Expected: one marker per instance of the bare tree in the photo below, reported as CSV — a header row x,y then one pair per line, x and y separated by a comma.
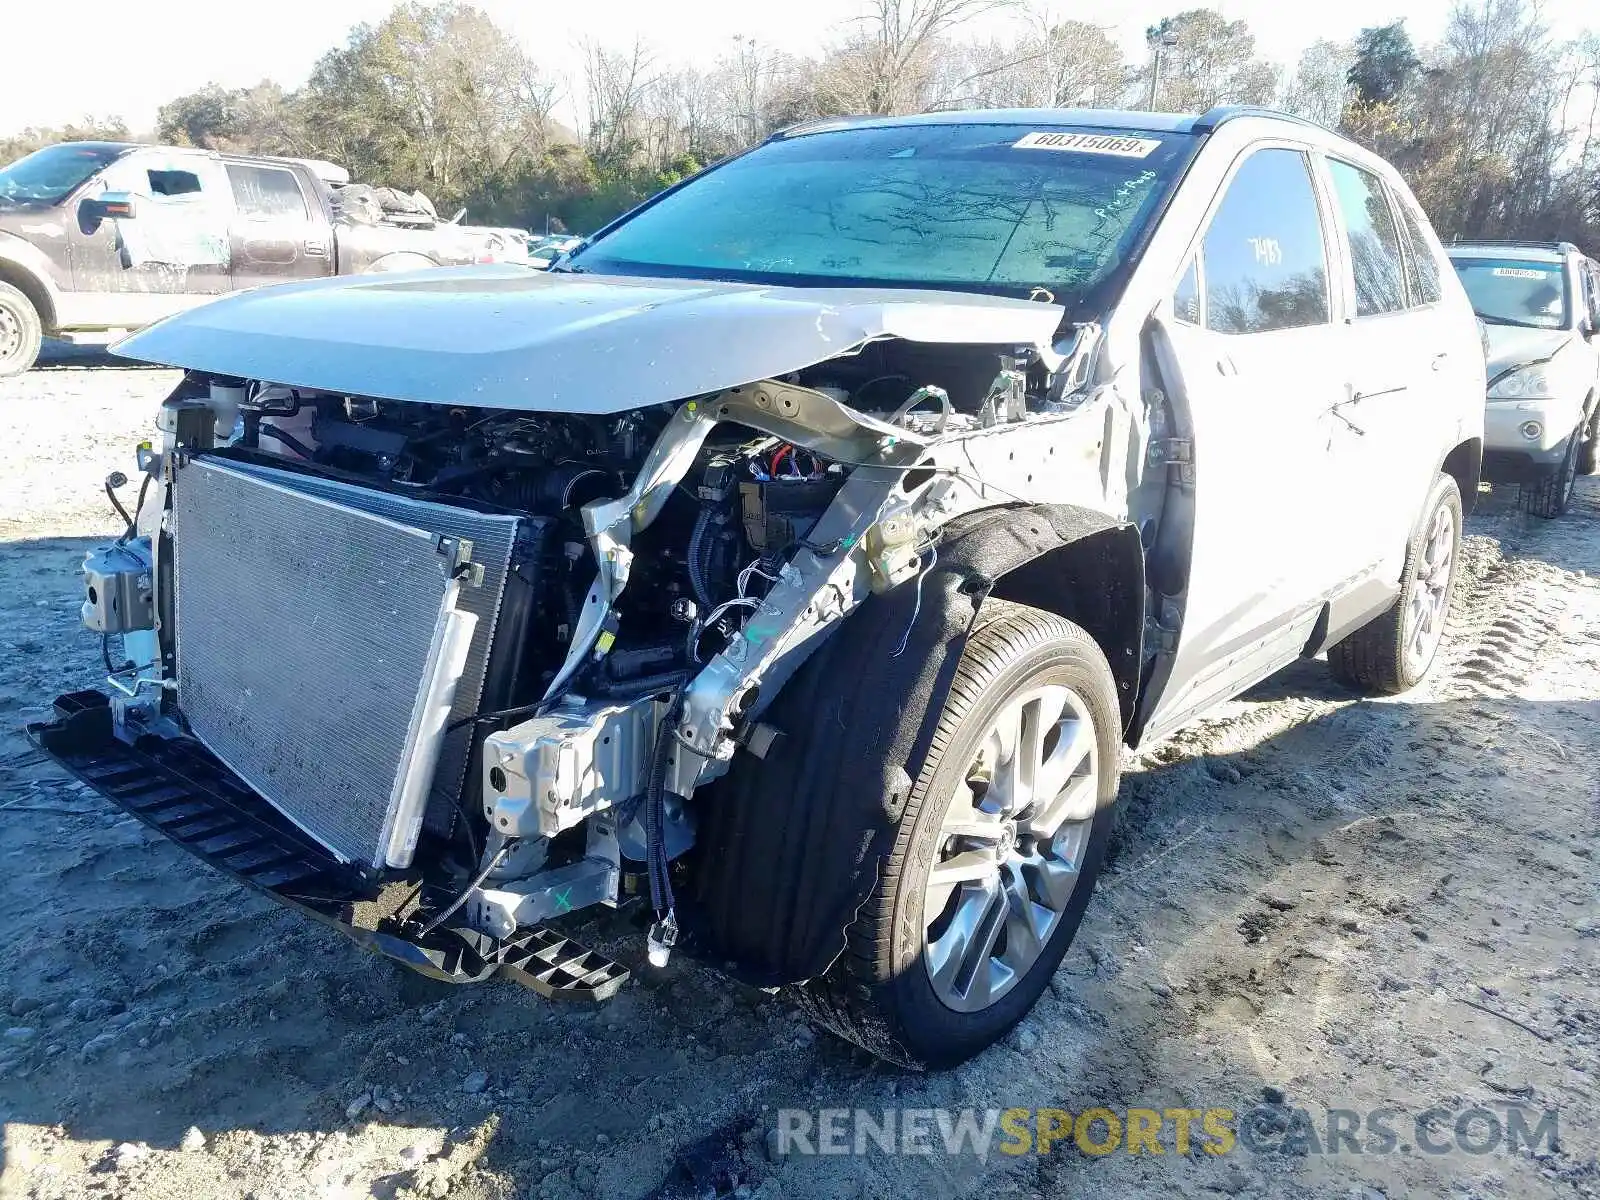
x,y
886,66
1320,88
616,85
1063,64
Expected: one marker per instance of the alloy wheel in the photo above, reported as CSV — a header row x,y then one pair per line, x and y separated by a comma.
x,y
1011,847
1430,592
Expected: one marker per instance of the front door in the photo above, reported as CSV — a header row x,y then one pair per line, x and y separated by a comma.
x,y
279,233
1249,350
174,245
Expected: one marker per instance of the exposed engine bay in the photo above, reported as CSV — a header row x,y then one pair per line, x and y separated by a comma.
x,y
534,635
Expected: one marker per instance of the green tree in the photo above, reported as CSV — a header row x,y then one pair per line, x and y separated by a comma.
x,y
1208,60
1386,63
437,98
89,129
253,120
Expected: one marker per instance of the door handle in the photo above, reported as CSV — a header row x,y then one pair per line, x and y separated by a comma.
x,y
1356,397
1439,360
1226,367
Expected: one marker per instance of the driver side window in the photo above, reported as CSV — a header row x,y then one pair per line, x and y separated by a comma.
x,y
1262,265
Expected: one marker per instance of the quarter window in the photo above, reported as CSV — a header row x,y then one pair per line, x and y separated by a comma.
x,y
1375,254
1266,266
1186,300
266,191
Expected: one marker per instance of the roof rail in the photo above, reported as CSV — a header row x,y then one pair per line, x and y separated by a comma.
x,y
1525,243
1208,121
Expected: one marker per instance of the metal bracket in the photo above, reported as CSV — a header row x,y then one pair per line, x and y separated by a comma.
x,y
501,911
1176,453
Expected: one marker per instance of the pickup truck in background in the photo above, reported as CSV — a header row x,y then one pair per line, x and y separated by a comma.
x,y
97,238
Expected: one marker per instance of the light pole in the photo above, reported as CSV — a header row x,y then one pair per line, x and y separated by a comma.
x,y
1159,41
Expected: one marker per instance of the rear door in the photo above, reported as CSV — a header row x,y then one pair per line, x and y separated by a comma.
x,y
1249,344
1406,363
279,232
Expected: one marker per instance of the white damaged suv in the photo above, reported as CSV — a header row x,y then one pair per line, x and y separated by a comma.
x,y
794,560
1540,305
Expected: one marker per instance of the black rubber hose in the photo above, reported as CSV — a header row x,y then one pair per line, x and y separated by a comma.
x,y
699,560
655,810
138,506
287,439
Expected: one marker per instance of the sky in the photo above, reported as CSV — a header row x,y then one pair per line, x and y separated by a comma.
x,y
125,59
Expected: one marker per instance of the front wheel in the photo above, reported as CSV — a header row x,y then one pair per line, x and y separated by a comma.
x,y
1550,497
1589,456
21,332
996,854
1393,651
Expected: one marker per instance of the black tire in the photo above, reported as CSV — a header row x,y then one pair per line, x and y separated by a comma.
x,y
1550,497
878,994
1589,455
21,332
1372,660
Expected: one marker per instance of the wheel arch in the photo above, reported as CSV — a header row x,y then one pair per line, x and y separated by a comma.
x,y
34,288
1094,579
399,260
1464,464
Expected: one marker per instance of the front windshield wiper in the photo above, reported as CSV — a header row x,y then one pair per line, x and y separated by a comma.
x,y
1514,323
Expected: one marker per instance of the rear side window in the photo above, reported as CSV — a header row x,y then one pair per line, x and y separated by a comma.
x,y
266,191
1265,264
1422,272
1375,251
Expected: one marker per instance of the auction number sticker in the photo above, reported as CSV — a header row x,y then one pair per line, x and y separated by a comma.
x,y
1088,143
1519,273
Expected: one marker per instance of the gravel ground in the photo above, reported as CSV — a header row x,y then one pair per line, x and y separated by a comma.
x,y
1314,904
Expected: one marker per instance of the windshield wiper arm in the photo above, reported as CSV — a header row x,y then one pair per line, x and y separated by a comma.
x,y
1511,321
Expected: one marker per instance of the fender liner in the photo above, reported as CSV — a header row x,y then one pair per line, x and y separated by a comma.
x,y
790,846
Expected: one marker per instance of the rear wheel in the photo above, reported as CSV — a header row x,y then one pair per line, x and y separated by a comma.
x,y
1550,496
995,855
1393,652
21,332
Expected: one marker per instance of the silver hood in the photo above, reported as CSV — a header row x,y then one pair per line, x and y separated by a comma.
x,y
1511,346
510,337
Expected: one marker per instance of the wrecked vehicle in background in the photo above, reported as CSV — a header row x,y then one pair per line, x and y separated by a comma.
x,y
107,236
795,560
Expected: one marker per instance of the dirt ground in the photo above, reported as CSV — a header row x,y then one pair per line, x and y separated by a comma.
x,y
1315,903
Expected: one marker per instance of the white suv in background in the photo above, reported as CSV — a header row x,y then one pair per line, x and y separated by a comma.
x,y
1540,303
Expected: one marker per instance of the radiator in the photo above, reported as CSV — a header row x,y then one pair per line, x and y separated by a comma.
x,y
324,644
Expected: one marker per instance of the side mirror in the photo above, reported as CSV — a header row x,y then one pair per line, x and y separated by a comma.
x,y
118,206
